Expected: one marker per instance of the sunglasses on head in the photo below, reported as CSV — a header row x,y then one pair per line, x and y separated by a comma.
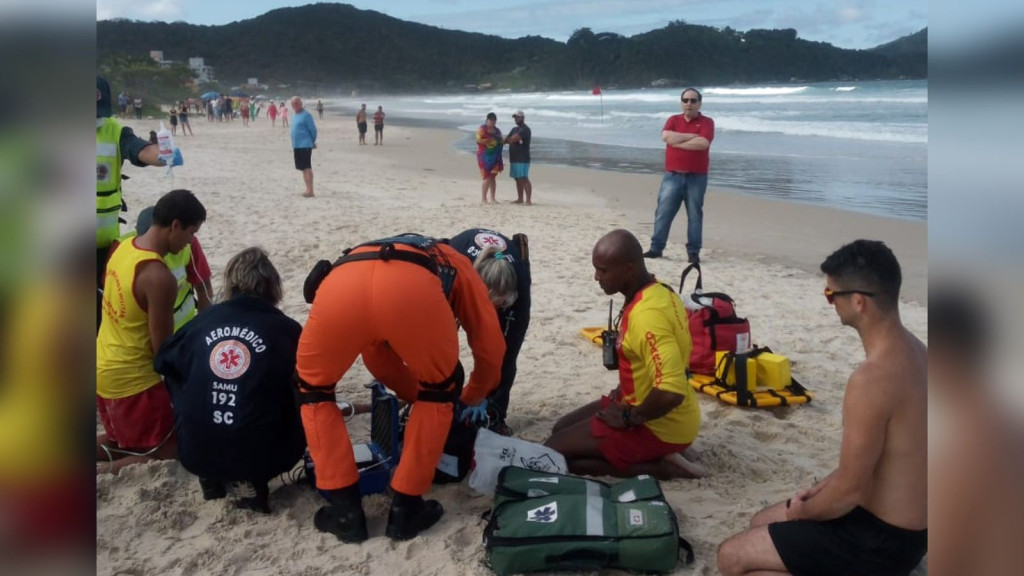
x,y
690,100
831,294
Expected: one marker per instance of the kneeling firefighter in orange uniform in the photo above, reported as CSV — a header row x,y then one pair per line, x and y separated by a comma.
x,y
398,302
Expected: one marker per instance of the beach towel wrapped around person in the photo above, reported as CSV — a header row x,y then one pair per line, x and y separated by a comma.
x,y
488,154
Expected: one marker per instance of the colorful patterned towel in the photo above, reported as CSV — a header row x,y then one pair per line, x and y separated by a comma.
x,y
488,154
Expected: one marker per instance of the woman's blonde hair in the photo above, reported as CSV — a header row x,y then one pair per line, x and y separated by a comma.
x,y
499,275
251,273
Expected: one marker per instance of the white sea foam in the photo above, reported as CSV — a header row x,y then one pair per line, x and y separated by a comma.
x,y
845,88
757,91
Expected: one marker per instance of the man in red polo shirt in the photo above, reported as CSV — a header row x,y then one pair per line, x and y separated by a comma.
x,y
687,139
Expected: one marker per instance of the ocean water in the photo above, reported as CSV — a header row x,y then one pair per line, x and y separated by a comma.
x,y
858,146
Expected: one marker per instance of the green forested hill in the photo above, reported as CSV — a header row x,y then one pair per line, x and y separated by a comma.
x,y
337,46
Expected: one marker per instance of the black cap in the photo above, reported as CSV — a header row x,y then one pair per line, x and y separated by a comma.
x,y
103,106
492,116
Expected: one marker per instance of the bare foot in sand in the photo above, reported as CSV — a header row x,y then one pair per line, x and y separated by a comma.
x,y
677,466
307,195
516,202
528,203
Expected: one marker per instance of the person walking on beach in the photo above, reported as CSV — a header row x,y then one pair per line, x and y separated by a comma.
x,y
138,301
687,138
244,108
488,155
283,111
303,142
320,108
519,157
361,124
138,108
183,119
272,113
122,104
869,516
378,126
646,422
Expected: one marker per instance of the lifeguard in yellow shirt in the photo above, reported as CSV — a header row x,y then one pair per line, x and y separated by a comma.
x,y
138,315
645,424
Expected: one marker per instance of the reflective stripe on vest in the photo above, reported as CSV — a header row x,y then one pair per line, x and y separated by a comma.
x,y
184,300
108,181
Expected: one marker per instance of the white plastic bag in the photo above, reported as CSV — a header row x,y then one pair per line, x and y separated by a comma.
x,y
492,452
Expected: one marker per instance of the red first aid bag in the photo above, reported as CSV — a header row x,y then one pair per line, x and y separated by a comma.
x,y
713,325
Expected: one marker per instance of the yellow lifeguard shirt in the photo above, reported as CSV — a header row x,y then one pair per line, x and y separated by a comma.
x,y
124,356
654,351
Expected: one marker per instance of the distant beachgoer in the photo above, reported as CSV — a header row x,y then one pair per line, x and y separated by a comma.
x,y
272,113
252,108
174,120
320,108
870,516
519,157
378,126
303,142
229,112
122,104
209,111
138,108
249,430
687,139
183,119
647,422
488,155
361,124
243,106
282,110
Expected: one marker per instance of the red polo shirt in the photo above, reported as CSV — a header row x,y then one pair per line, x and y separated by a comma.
x,y
678,160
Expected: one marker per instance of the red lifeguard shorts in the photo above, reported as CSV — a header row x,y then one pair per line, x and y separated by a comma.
x,y
141,421
628,446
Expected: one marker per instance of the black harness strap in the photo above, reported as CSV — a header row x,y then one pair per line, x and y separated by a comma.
x,y
389,252
446,391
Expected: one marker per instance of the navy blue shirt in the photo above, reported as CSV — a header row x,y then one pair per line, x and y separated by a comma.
x,y
230,373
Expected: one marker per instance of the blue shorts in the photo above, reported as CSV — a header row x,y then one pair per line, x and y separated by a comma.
x,y
520,170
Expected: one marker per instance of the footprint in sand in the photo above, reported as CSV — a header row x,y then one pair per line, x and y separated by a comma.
x,y
414,549
465,537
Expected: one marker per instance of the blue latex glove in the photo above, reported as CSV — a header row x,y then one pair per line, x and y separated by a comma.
x,y
177,160
475,414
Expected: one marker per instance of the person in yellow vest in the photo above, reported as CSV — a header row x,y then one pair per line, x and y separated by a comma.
x,y
138,303
191,271
114,144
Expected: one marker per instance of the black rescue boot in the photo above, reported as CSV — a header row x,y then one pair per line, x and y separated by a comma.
x,y
411,515
212,489
253,495
344,516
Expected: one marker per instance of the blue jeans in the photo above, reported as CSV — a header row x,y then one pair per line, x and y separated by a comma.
x,y
675,189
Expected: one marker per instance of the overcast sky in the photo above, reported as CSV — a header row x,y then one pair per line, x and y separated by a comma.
x,y
844,23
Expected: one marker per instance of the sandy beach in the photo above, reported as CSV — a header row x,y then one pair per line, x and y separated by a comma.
x,y
152,520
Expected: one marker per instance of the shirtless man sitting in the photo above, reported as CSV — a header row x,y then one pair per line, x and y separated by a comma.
x,y
870,515
645,424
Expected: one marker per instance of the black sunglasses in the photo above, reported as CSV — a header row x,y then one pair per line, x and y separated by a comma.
x,y
690,100
831,294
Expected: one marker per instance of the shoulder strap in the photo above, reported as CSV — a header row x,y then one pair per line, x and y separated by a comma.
x,y
684,546
686,271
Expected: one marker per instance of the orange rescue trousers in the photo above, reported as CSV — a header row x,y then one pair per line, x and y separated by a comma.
x,y
396,315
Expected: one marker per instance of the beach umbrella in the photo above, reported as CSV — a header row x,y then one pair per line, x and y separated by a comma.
x,y
210,96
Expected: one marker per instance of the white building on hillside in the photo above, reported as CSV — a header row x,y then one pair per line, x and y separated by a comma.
x,y
203,72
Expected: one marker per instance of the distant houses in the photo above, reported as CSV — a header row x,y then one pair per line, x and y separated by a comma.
x,y
202,72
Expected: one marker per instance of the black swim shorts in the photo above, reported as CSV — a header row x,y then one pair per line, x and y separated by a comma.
x,y
857,544
362,127
378,127
303,158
